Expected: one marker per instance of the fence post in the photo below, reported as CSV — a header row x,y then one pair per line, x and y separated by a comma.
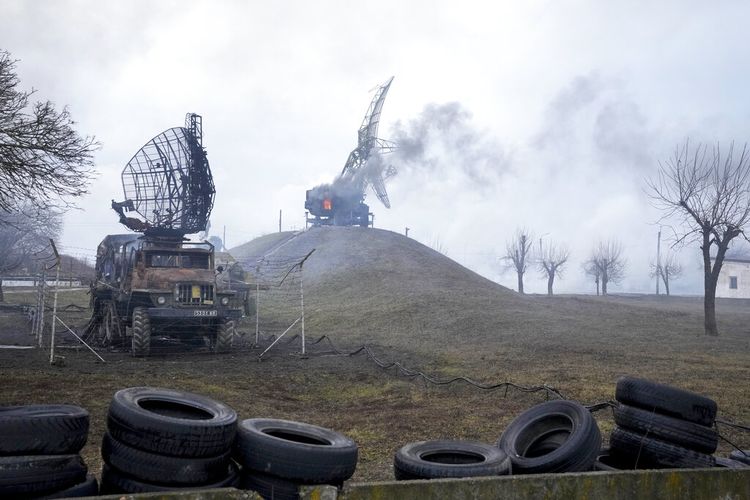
x,y
257,311
54,303
302,305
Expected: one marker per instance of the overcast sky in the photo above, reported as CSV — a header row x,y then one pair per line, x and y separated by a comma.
x,y
547,115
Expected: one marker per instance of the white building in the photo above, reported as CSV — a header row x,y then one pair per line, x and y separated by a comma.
x,y
734,279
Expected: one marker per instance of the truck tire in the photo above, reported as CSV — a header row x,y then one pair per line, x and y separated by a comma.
x,y
556,436
114,481
296,451
653,452
88,488
681,432
666,399
141,332
741,455
169,422
34,475
270,486
441,459
154,467
43,429
224,336
728,463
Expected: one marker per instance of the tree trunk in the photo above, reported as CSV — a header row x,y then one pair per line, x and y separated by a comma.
x,y
710,279
604,283
597,286
2,297
666,281
520,283
550,282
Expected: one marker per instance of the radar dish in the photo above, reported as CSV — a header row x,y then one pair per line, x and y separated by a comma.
x,y
168,183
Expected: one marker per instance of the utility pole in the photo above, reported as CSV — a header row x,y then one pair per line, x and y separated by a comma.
x,y
279,220
406,232
54,303
658,260
224,240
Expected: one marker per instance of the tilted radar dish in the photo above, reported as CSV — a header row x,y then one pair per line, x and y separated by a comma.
x,y
168,183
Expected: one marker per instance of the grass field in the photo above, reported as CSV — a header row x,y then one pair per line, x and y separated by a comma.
x,y
415,306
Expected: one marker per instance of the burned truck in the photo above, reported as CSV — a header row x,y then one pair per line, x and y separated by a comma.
x,y
158,283
162,286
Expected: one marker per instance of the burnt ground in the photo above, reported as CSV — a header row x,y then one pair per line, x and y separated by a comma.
x,y
415,306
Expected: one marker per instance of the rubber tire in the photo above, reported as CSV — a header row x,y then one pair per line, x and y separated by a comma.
x,y
666,399
270,487
114,481
741,456
609,461
152,467
224,336
410,461
141,326
728,463
180,435
39,474
332,460
562,434
88,488
674,430
43,429
649,452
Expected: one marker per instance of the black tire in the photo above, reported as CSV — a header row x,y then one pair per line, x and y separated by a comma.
x,y
680,432
609,461
39,474
225,336
114,481
666,399
170,422
556,436
270,487
141,326
152,467
43,429
649,452
741,456
294,450
728,463
88,488
440,459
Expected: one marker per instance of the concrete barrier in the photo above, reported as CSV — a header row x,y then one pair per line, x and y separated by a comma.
x,y
673,484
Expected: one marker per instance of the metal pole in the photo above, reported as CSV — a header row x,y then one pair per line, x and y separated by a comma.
x,y
279,220
54,304
81,340
41,305
257,312
302,304
658,260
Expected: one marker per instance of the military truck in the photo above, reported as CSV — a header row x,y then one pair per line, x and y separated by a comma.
x,y
147,286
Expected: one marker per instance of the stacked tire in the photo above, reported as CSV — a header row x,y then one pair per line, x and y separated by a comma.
x,y
443,459
279,456
660,426
39,446
166,440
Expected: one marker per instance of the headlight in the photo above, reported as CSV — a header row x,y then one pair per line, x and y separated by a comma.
x,y
161,300
224,301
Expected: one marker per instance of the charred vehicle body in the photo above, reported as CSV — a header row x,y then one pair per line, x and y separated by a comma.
x,y
158,283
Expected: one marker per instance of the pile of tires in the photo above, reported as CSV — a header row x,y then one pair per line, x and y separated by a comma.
x,y
279,456
444,458
166,440
39,446
556,436
660,426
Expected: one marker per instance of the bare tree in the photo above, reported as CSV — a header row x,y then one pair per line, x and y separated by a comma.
x,y
518,254
551,263
43,160
607,260
667,271
23,234
590,268
709,192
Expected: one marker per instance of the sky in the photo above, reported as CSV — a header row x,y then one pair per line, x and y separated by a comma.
x,y
545,115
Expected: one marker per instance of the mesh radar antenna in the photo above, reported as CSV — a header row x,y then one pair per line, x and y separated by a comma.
x,y
168,183
367,144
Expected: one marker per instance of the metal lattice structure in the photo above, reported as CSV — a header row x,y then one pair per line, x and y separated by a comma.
x,y
367,144
168,183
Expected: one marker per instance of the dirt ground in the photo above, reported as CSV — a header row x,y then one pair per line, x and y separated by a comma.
x,y
382,410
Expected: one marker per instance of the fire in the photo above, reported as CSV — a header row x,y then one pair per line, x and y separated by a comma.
x,y
327,205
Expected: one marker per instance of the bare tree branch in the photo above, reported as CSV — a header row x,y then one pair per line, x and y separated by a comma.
x,y
518,254
606,264
552,262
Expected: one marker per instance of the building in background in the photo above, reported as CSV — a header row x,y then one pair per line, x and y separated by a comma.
x,y
734,278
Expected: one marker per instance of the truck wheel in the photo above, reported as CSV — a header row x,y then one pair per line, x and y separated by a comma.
x,y
224,336
141,332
